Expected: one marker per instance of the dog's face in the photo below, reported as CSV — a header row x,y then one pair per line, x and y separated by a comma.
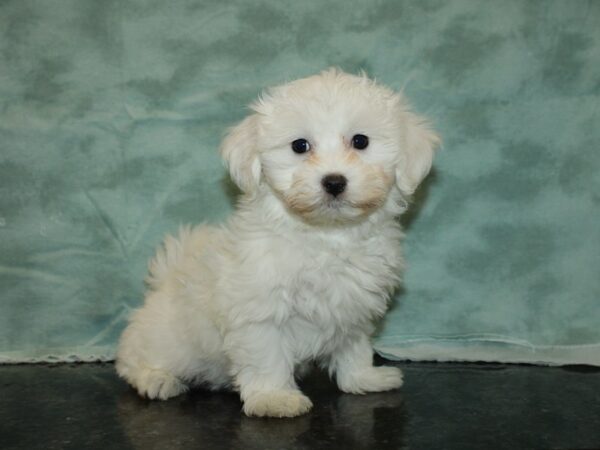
x,y
332,147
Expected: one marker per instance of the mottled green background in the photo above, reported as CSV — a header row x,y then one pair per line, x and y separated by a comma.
x,y
111,113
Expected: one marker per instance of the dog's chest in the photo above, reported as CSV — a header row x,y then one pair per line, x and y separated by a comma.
x,y
342,285
334,291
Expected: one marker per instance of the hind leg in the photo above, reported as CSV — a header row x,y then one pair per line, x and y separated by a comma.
x,y
172,341
152,356
159,384
140,363
166,349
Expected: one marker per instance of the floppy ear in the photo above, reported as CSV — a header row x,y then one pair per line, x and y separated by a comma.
x,y
239,150
420,142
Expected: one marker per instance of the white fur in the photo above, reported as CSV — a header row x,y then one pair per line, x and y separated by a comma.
x,y
294,276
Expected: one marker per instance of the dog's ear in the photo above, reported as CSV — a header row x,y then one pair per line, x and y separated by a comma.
x,y
419,144
239,150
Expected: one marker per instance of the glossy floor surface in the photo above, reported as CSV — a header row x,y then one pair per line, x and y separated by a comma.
x,y
441,406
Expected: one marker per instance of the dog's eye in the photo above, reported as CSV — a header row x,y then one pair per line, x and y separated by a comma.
x,y
360,141
300,146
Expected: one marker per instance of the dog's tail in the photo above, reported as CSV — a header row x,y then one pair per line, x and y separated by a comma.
x,y
171,255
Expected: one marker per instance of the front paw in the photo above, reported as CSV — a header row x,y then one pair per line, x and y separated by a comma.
x,y
371,379
277,403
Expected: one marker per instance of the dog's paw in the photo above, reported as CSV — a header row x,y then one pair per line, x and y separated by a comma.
x,y
372,379
277,403
159,384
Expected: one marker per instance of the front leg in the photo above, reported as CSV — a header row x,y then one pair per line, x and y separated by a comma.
x,y
263,372
354,370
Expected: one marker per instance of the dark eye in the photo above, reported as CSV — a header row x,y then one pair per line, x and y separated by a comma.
x,y
300,146
360,141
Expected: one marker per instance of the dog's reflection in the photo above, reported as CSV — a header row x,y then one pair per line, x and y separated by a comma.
x,y
207,420
371,421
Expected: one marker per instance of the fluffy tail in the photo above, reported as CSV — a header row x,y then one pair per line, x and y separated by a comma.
x,y
170,255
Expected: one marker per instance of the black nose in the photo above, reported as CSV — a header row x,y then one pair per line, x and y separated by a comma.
x,y
334,184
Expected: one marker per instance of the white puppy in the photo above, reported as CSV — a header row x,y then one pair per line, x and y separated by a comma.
x,y
304,266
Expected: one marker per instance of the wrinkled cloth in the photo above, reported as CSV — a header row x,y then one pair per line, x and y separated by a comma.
x,y
111,113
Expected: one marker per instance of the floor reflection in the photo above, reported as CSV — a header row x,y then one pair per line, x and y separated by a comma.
x,y
214,420
450,406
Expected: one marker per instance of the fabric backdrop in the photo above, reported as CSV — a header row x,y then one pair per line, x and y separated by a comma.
x,y
111,113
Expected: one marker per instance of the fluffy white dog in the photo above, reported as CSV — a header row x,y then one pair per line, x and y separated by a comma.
x,y
304,266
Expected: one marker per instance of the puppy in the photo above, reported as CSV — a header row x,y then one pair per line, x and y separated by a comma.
x,y
305,265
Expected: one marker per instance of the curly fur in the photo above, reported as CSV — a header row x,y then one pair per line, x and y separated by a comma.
x,y
295,275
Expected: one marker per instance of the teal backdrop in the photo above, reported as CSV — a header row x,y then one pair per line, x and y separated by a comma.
x,y
111,113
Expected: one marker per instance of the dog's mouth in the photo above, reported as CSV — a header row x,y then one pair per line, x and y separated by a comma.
x,y
366,205
329,210
335,203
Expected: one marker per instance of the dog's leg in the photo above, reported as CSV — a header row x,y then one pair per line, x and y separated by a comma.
x,y
150,380
263,370
159,384
354,370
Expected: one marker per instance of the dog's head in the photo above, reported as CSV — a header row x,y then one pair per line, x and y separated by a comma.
x,y
332,147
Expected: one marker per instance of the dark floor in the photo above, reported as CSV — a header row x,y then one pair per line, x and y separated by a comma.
x,y
441,406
